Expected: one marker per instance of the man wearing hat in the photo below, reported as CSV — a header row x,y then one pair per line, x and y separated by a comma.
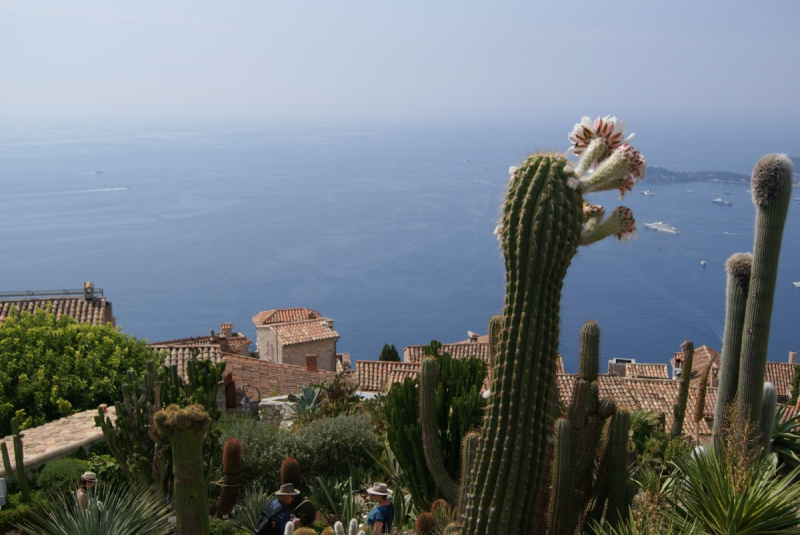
x,y
381,517
275,516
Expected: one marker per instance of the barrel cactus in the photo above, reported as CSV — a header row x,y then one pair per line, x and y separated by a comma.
x,y
544,220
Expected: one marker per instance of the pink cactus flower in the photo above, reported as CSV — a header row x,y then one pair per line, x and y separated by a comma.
x,y
609,128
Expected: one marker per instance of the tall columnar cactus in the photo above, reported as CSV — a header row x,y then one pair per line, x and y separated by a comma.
x,y
739,267
769,406
20,475
544,220
589,360
562,477
495,325
700,406
772,190
232,468
679,409
186,429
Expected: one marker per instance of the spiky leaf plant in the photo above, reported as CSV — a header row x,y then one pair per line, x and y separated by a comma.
x,y
786,441
122,510
249,507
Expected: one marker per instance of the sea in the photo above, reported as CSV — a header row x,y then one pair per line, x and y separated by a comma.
x,y
385,227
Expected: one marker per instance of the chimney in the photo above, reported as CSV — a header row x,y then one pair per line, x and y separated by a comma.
x,y
473,337
311,363
792,357
226,328
329,323
88,291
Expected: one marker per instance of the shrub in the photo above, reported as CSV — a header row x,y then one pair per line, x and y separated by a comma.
x,y
107,469
50,368
16,511
61,475
217,526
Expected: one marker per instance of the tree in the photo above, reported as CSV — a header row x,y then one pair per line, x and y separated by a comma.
x,y
795,386
53,367
389,354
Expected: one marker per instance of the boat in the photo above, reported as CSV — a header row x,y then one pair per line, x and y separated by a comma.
x,y
796,284
647,192
663,227
720,200
703,263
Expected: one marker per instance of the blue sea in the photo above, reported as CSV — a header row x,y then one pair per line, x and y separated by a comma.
x,y
386,228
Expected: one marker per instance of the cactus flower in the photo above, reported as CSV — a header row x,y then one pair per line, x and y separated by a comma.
x,y
621,170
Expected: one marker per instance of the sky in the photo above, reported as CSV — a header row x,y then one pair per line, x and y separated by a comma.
x,y
443,60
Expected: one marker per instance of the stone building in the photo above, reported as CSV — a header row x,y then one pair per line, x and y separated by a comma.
x,y
289,335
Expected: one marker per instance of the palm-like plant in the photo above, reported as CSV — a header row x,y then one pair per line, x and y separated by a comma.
x,y
117,510
723,498
786,440
249,507
306,403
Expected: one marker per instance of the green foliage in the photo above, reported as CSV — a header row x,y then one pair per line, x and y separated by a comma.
x,y
795,386
389,354
107,469
55,367
306,404
61,475
125,511
217,526
725,497
786,441
323,447
458,410
338,397
17,510
249,507
653,448
338,498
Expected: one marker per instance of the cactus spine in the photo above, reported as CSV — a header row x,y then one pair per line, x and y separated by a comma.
x,y
543,222
232,468
186,429
738,267
768,408
495,325
679,409
426,524
772,189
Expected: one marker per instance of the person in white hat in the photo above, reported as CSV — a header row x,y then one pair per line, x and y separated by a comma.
x,y
381,517
85,491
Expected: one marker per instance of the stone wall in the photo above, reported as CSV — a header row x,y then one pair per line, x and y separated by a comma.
x,y
325,350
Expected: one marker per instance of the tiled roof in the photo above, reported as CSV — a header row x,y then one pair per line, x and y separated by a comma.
x,y
96,311
374,375
284,315
415,354
399,375
700,359
780,374
652,371
304,331
610,386
271,378
236,343
180,355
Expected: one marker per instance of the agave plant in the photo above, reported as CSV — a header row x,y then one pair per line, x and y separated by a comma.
x,y
723,498
249,507
306,403
116,510
786,441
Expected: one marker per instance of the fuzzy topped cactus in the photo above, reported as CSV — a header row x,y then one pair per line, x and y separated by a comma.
x,y
544,220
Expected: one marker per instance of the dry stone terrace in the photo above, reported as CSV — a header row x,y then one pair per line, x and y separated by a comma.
x,y
57,439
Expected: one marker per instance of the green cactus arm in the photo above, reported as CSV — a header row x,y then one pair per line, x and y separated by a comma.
x,y
562,480
679,409
772,190
769,406
495,326
429,380
589,360
738,268
469,453
617,450
7,463
22,476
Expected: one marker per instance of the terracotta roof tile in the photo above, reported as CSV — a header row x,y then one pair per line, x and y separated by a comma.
x,y
304,331
96,312
780,374
700,359
180,355
652,371
284,315
374,375
271,378
415,354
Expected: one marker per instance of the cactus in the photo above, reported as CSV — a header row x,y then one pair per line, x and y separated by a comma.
x,y
700,406
290,472
679,409
589,361
186,429
544,221
338,528
495,325
767,422
772,190
328,531
562,478
304,531
232,468
426,524
19,476
738,267
288,529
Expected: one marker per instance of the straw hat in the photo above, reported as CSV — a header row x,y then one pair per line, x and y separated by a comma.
x,y
89,476
379,489
287,490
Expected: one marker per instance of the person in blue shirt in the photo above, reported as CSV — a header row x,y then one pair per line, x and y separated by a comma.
x,y
275,516
381,517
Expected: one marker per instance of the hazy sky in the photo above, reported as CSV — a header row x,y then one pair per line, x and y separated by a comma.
x,y
409,59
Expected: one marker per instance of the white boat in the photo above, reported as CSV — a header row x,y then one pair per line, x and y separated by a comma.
x,y
720,200
703,263
796,284
663,227
647,192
